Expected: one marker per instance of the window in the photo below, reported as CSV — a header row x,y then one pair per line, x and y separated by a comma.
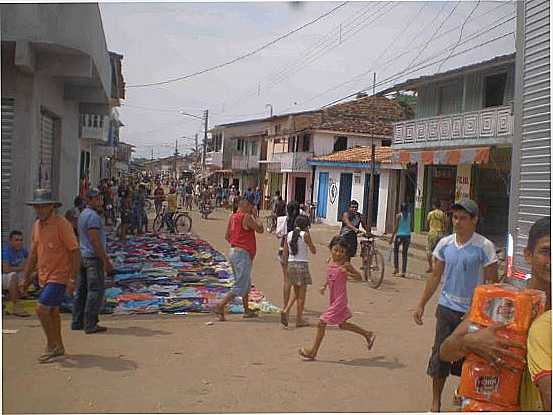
x,y
341,143
306,142
292,143
450,98
254,149
239,145
95,122
494,90
277,129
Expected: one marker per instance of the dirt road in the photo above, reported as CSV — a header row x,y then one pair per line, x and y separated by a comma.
x,y
181,364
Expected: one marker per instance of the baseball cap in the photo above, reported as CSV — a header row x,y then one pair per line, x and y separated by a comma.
x,y
94,192
467,205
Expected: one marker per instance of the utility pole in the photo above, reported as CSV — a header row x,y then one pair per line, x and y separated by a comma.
x,y
206,115
371,181
196,148
175,157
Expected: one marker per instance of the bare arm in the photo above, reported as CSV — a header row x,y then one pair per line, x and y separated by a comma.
x,y
309,242
249,223
352,272
30,266
430,288
6,267
285,253
544,386
345,219
396,226
227,233
75,263
94,236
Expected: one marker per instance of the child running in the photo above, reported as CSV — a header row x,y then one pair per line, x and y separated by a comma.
x,y
296,260
338,312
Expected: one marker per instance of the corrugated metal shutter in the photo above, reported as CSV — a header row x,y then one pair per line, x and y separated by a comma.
x,y
8,114
534,182
46,159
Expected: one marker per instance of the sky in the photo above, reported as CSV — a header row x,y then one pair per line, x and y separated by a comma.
x,y
330,59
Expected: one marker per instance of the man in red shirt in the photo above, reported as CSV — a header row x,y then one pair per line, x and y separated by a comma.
x,y
240,235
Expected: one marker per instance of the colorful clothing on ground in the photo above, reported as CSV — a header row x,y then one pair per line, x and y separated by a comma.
x,y
338,311
54,240
539,362
463,269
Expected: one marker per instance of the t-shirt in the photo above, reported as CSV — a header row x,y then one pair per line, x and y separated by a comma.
x,y
172,202
14,258
463,269
89,219
436,221
539,362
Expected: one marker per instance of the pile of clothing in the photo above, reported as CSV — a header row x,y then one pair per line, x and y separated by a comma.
x,y
171,274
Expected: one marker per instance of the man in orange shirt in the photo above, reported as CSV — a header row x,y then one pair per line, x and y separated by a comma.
x,y
55,252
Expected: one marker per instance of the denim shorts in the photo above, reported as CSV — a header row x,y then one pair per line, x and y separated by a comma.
x,y
52,294
447,321
241,264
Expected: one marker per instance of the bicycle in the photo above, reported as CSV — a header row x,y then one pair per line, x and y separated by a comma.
x,y
373,261
271,223
179,222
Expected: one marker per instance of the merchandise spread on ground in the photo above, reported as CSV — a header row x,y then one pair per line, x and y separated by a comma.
x,y
171,274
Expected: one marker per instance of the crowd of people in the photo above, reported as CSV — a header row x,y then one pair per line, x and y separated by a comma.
x,y
69,256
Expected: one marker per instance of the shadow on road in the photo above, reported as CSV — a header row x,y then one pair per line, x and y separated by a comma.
x,y
137,331
378,361
87,361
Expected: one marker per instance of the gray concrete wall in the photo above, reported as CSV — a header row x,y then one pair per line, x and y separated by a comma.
x,y
77,26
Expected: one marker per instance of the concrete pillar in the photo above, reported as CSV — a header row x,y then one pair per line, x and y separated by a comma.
x,y
70,155
383,192
419,220
393,196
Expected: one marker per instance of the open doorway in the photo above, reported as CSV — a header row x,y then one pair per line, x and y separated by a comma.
x,y
299,189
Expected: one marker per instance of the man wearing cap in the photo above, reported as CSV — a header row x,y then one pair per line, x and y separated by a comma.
x,y
94,264
461,259
55,251
240,234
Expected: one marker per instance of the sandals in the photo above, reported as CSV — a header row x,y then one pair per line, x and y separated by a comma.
x,y
219,313
302,323
306,356
284,319
250,314
370,341
50,357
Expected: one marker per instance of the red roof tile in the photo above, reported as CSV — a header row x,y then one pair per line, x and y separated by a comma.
x,y
359,155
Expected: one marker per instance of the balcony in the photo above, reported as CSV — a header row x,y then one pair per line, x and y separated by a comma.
x,y
241,162
95,127
292,162
487,126
215,159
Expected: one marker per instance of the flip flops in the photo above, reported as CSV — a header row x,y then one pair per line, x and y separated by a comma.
x,y
219,313
305,356
370,341
302,323
250,314
50,357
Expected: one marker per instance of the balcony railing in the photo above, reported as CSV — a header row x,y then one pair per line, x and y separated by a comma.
x,y
481,125
293,161
95,127
241,162
215,159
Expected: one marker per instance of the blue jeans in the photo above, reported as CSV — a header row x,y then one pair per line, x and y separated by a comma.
x,y
89,295
241,264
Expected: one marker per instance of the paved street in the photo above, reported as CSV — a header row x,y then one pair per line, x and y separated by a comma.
x,y
181,364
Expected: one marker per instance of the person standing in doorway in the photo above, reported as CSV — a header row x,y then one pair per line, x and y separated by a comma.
x,y
55,252
437,222
89,295
240,234
460,260
401,237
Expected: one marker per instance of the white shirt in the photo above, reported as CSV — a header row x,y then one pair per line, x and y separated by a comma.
x,y
303,249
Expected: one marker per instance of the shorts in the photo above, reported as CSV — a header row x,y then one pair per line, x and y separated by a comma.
x,y
298,273
432,241
241,264
7,277
52,294
351,239
447,321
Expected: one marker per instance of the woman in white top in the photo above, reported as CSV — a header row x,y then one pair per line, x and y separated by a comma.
x,y
296,260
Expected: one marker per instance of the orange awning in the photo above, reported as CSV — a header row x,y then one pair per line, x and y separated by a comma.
x,y
478,155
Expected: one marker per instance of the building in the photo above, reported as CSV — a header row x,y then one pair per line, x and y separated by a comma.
x,y
51,74
530,197
120,162
460,142
168,167
345,175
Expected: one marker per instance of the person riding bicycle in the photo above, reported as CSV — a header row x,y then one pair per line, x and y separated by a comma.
x,y
172,205
159,196
351,220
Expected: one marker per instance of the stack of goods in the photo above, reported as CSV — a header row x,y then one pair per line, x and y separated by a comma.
x,y
484,387
171,274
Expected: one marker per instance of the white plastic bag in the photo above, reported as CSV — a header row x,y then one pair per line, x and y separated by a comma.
x,y
281,227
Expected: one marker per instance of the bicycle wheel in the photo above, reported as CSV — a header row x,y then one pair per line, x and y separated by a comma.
x,y
183,223
158,224
374,269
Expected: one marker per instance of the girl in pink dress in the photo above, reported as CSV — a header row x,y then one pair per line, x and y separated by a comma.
x,y
338,312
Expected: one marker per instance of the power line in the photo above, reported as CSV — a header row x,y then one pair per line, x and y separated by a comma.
x,y
471,37
400,74
460,35
239,58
